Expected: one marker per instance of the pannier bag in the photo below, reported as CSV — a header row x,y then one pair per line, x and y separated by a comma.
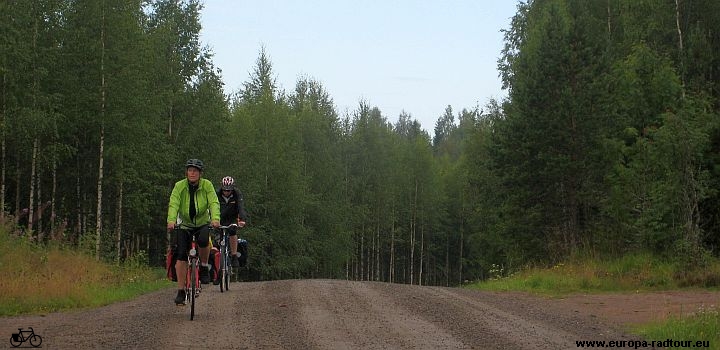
x,y
215,262
170,260
243,250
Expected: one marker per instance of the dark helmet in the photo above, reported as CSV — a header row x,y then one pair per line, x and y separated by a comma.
x,y
195,163
228,183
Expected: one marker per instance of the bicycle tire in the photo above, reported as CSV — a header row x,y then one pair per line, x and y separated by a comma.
x,y
14,343
35,338
223,270
227,273
193,286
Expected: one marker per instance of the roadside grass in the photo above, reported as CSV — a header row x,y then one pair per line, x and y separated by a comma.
x,y
631,273
636,272
703,326
41,279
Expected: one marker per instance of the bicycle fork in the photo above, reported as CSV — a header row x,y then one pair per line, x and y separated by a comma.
x,y
193,269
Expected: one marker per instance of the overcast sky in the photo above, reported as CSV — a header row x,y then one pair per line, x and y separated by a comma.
x,y
413,55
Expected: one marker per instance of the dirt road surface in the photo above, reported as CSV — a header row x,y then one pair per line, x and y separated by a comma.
x,y
337,314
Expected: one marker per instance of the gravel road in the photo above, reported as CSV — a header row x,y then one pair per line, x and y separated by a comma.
x,y
325,314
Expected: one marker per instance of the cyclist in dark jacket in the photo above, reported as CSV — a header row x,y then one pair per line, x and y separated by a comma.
x,y
232,210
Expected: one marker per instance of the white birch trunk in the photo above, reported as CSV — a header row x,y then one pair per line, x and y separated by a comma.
x,y
391,277
680,45
53,194
31,205
118,222
3,165
413,225
17,191
422,254
78,206
98,214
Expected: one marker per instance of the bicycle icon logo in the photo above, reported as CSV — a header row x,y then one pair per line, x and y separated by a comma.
x,y
23,336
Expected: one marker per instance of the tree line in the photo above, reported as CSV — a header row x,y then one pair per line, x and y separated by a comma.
x,y
607,144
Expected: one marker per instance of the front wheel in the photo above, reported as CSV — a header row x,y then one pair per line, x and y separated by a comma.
x,y
35,340
226,276
223,270
193,287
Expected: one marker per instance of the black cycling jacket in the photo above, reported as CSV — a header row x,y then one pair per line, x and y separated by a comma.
x,y
232,207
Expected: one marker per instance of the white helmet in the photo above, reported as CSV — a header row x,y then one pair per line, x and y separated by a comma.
x,y
227,183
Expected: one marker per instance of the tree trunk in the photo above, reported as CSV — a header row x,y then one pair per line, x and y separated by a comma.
x,y
680,46
422,253
677,25
118,222
37,218
362,253
3,165
413,224
98,217
462,238
78,206
17,191
33,160
391,277
447,260
53,194
377,252
98,213
33,164
609,13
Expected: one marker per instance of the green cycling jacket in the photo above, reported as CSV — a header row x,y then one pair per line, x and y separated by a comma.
x,y
207,206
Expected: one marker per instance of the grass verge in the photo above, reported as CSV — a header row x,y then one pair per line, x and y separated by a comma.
x,y
41,279
636,273
702,327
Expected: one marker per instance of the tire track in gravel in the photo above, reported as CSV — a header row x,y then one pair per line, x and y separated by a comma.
x,y
350,315
488,320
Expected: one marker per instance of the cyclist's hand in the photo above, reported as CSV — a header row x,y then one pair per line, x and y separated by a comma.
x,y
215,223
170,226
241,223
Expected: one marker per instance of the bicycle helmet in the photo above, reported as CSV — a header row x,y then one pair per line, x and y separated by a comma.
x,y
227,183
195,163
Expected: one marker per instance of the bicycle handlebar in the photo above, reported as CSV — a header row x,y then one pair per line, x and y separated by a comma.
x,y
228,226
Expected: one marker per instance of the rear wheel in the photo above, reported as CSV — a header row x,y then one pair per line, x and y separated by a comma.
x,y
15,343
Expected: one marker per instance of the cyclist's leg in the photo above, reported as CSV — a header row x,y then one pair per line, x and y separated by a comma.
x,y
232,232
203,242
234,261
181,265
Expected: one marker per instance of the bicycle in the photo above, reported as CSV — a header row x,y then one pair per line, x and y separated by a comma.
x,y
19,338
192,276
225,265
192,282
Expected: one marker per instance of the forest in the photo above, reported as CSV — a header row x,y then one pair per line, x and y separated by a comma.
x,y
607,144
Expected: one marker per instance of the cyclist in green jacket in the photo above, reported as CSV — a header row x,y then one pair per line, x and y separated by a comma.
x,y
193,207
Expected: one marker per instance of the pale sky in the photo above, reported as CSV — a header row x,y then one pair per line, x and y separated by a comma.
x,y
414,55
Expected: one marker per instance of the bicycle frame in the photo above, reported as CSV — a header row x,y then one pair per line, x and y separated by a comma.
x,y
192,280
21,334
226,267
